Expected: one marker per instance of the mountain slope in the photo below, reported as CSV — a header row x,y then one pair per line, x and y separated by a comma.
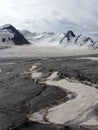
x,y
9,34
45,38
71,40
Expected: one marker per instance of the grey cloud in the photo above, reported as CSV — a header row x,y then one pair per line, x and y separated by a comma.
x,y
50,15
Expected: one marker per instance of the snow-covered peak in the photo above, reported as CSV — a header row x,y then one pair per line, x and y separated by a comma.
x,y
60,39
83,40
7,27
9,34
71,40
70,35
68,39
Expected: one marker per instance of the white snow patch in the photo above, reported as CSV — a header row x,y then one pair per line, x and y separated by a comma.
x,y
39,117
33,68
76,110
34,73
53,76
80,110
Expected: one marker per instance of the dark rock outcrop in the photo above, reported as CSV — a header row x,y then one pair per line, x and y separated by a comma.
x,y
69,35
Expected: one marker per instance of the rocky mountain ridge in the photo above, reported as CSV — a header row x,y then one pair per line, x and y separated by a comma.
x,y
9,35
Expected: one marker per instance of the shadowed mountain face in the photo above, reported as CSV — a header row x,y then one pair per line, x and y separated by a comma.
x,y
9,34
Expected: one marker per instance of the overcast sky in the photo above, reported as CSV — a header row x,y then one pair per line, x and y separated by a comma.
x,y
50,15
